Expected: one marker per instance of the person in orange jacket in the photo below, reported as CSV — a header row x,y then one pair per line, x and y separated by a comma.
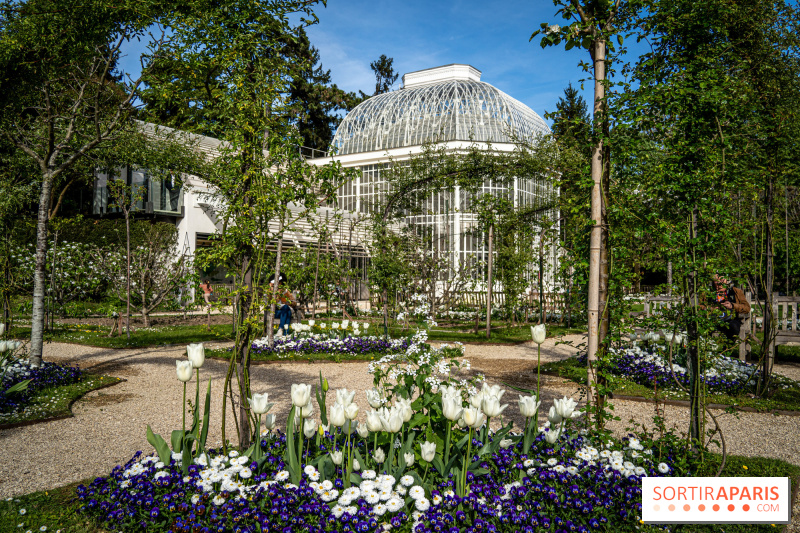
x,y
732,303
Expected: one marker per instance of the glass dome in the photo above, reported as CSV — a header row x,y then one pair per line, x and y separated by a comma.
x,y
447,103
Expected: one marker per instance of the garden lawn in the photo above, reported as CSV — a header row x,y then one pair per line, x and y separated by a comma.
x,y
55,402
783,399
91,335
465,334
58,508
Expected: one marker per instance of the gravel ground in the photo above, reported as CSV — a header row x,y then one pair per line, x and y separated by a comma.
x,y
109,425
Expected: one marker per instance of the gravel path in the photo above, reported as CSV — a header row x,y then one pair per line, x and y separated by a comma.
x,y
109,425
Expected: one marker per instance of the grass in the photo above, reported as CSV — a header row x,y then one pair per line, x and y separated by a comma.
x,y
784,399
91,335
58,508
500,335
56,401
55,509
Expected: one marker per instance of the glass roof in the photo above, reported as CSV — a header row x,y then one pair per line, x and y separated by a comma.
x,y
455,109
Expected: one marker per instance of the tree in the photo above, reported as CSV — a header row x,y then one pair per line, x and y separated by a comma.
x,y
592,28
60,100
147,275
238,52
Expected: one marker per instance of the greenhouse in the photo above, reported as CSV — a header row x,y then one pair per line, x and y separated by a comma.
x,y
451,105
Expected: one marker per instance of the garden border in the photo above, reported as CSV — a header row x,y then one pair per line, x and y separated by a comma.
x,y
685,403
64,417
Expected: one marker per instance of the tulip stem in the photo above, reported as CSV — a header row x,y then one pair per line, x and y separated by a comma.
x,y
374,444
184,408
426,472
538,369
467,460
447,445
300,436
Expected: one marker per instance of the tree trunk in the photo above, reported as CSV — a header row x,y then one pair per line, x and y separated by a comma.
x,y
669,278
128,274
596,239
489,283
693,357
316,279
770,324
37,313
53,281
243,366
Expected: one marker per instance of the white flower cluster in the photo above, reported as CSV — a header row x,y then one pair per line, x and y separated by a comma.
x,y
630,461
384,493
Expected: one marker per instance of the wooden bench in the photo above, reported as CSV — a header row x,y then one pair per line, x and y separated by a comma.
x,y
784,309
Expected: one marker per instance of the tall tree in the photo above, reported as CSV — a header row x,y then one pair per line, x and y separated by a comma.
x,y
59,100
592,27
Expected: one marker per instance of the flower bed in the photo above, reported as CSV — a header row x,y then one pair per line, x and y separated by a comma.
x,y
569,486
423,460
48,375
650,366
315,344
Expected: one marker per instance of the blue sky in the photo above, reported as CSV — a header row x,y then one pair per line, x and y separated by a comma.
x,y
492,36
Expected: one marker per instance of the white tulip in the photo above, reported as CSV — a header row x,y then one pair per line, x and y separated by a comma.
x,y
337,416
473,417
345,397
379,456
197,354
528,406
392,422
356,465
476,400
184,369
365,325
2,328
336,457
539,333
309,427
335,325
374,421
312,322
363,431
492,390
428,451
552,436
269,422
374,398
409,458
4,346
565,407
259,403
506,443
491,406
351,411
345,323
301,394
404,407
307,411
553,416
451,408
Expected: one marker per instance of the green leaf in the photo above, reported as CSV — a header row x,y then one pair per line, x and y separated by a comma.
x,y
619,39
160,445
201,444
177,440
18,387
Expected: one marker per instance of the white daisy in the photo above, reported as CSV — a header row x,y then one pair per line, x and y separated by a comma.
x,y
422,504
407,481
394,505
379,509
416,492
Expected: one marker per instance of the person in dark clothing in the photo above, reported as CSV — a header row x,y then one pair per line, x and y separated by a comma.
x,y
285,300
733,305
